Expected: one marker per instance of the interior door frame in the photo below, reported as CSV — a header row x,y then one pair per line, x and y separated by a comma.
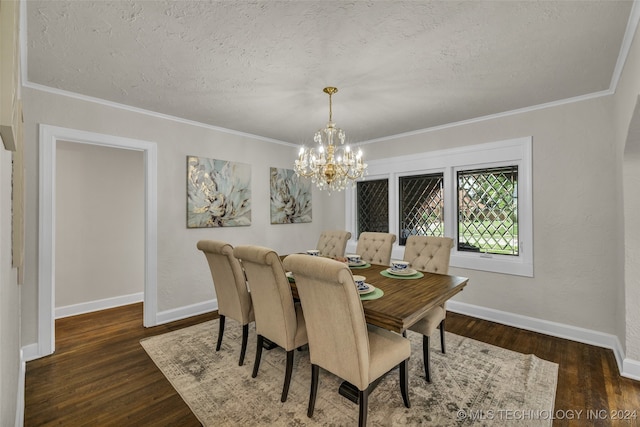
x,y
49,136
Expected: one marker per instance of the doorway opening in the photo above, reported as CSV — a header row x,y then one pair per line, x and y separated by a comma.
x,y
49,137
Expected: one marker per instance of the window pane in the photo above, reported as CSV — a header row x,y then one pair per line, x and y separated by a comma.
x,y
421,206
488,210
373,206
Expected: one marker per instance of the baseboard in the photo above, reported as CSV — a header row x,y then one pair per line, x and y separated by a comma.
x,y
631,369
186,311
627,367
30,352
103,304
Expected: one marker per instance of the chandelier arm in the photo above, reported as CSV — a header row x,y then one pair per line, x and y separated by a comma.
x,y
305,174
345,172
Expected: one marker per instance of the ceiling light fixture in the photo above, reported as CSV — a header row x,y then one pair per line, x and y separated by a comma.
x,y
330,166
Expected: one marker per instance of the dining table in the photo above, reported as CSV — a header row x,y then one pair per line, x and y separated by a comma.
x,y
405,299
400,300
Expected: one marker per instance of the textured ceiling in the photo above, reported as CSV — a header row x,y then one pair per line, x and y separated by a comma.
x,y
259,66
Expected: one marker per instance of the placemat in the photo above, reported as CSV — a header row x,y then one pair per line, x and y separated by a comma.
x,y
366,265
372,295
418,275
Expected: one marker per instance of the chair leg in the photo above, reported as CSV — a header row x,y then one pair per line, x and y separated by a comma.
x,y
287,376
363,400
256,363
404,382
220,332
315,369
243,349
425,355
442,336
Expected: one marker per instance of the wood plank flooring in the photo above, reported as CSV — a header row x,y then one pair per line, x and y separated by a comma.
x,y
101,376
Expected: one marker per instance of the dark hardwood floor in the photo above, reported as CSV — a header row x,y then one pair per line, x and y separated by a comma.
x,y
101,376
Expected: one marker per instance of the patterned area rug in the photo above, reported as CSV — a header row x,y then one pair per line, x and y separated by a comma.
x,y
473,384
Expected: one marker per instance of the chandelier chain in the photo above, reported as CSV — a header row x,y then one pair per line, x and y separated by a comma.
x,y
330,90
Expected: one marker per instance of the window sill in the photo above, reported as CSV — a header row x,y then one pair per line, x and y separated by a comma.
x,y
493,264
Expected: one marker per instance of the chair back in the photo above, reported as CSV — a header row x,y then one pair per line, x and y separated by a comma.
x,y
336,328
271,293
429,253
375,247
332,243
234,300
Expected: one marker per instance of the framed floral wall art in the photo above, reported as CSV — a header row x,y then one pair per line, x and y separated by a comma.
x,y
290,197
218,193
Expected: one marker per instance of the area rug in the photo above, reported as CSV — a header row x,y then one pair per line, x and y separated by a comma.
x,y
472,384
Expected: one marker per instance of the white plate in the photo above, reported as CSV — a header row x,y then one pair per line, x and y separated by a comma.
x,y
357,264
370,288
407,272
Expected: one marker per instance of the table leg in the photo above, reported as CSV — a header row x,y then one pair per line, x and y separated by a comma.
x,y
268,345
351,392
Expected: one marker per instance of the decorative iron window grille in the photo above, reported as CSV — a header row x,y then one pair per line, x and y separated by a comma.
x,y
373,205
488,210
421,206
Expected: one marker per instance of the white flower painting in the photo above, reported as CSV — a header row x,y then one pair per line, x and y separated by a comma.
x,y
290,197
218,193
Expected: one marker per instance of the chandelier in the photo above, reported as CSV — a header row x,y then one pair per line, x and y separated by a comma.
x,y
330,166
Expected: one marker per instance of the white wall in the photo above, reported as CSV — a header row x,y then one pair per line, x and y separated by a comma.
x,y
183,276
99,223
10,364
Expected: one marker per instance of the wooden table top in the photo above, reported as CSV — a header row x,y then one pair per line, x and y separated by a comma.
x,y
405,301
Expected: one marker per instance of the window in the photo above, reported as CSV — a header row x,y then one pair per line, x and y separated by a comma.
x,y
421,207
373,206
488,210
478,195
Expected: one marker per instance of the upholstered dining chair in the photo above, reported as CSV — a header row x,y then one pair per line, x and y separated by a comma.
x,y
430,254
375,247
332,243
234,300
340,341
278,318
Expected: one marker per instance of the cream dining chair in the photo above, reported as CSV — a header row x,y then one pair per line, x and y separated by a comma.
x,y
375,247
332,243
278,319
234,300
340,341
430,254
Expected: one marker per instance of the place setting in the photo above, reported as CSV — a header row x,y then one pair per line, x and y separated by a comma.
x,y
354,261
401,270
366,290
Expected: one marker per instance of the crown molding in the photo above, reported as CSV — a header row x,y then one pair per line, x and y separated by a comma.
x,y
155,114
629,33
493,116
